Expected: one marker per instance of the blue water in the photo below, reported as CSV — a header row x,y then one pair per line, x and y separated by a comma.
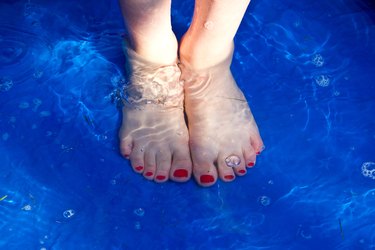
x,y
307,70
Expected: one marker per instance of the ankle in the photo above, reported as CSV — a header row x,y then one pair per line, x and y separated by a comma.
x,y
161,49
203,54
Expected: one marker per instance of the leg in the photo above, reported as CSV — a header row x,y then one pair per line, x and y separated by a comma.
x,y
153,134
149,25
222,129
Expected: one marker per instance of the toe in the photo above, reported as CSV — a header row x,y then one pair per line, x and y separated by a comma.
x,y
204,171
203,157
137,159
126,146
240,171
181,165
163,165
257,143
150,165
250,156
226,173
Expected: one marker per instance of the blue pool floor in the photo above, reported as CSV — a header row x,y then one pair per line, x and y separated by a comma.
x,y
307,70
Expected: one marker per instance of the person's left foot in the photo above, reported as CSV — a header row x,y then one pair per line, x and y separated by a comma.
x,y
224,137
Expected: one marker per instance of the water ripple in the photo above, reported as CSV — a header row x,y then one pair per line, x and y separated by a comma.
x,y
22,54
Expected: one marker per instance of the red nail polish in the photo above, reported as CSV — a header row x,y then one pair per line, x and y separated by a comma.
x,y
229,177
250,164
139,168
242,171
180,173
126,156
148,173
207,178
258,153
160,177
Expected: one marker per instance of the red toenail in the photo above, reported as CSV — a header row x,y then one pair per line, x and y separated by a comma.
x,y
207,178
180,173
148,173
242,171
229,177
160,177
126,156
250,164
139,168
258,153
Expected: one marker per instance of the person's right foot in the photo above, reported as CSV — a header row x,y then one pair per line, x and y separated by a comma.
x,y
153,134
222,128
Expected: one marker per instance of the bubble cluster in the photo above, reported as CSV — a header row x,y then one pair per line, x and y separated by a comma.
x,y
317,60
322,80
264,200
368,169
68,213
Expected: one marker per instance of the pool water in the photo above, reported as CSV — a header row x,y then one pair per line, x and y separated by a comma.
x,y
307,70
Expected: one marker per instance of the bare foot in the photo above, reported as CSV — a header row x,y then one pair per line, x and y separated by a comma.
x,y
153,134
222,128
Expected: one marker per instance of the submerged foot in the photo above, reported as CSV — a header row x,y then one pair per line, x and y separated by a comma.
x,y
153,134
224,138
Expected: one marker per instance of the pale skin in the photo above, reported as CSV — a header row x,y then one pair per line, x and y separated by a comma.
x,y
159,144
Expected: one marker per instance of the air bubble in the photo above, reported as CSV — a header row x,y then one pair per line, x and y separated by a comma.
x,y
5,136
264,200
27,208
137,225
368,169
5,84
139,212
68,213
322,80
209,25
44,113
37,74
233,161
24,105
37,102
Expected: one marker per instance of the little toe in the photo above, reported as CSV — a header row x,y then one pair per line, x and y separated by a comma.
x,y
163,165
126,146
257,143
181,166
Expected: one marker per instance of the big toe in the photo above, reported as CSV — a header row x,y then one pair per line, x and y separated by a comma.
x,y
181,165
204,169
